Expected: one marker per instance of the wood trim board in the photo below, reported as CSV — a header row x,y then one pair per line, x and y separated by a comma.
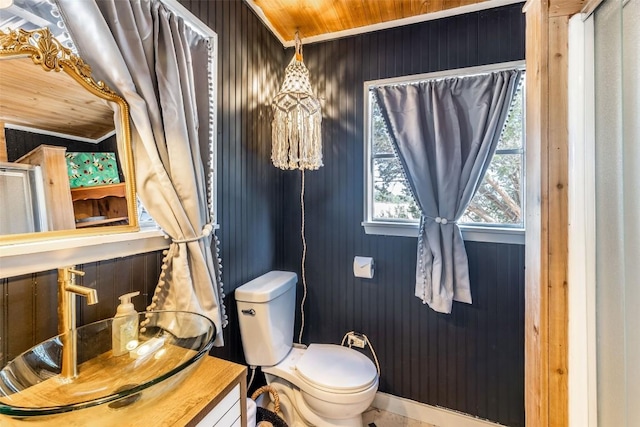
x,y
547,223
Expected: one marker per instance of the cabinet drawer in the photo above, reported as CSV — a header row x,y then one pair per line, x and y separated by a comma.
x,y
230,404
230,417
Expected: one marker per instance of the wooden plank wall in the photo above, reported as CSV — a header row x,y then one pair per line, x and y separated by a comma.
x,y
250,71
470,361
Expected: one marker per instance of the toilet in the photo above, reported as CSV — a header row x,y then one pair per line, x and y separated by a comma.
x,y
320,385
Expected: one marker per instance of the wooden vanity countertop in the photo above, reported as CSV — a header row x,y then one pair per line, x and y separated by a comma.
x,y
191,399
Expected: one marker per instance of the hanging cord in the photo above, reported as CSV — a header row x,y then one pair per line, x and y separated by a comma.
x,y
298,47
253,374
304,258
366,340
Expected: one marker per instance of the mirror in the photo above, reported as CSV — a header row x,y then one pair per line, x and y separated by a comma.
x,y
66,160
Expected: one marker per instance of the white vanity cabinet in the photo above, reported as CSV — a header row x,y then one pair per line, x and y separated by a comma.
x,y
227,413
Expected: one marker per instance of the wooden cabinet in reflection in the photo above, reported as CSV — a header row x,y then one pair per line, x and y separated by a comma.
x,y
55,184
99,205
70,208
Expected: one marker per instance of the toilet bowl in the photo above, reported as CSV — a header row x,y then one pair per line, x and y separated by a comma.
x,y
321,385
329,384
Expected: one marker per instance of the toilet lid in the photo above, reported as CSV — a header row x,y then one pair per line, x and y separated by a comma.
x,y
336,368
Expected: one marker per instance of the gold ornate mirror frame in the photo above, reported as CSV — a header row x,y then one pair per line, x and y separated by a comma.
x,y
47,52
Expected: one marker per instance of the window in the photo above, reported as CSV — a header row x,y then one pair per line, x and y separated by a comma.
x,y
496,213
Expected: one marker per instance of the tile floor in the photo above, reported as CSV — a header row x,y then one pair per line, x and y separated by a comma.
x,y
375,417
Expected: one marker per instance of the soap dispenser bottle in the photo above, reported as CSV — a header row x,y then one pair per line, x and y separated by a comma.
x,y
124,329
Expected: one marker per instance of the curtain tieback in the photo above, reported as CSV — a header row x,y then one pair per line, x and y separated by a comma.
x,y
443,221
206,231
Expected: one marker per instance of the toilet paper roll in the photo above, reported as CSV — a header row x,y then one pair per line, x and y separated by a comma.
x,y
363,267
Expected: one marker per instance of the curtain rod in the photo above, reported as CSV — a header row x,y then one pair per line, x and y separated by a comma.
x,y
458,72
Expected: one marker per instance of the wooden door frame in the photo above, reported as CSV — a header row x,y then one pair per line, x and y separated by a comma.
x,y
547,224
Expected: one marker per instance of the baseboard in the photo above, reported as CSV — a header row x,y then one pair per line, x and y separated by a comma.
x,y
440,417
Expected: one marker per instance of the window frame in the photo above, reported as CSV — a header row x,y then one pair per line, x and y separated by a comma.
x,y
496,233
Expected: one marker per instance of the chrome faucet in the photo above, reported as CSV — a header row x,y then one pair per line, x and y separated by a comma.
x,y
67,291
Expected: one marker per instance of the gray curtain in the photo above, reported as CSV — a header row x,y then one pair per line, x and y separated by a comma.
x,y
445,133
146,54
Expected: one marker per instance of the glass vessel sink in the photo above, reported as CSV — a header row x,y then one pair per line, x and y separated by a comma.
x,y
169,343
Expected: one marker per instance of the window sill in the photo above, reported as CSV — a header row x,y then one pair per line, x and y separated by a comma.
x,y
25,258
469,233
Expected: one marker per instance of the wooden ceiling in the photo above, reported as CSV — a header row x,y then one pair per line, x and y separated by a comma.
x,y
53,102
50,101
315,19
47,101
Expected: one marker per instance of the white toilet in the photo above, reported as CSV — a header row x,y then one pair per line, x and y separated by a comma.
x,y
322,385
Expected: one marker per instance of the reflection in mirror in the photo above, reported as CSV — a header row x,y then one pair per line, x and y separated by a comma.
x,y
65,163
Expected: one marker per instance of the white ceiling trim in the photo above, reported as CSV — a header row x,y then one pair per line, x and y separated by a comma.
x,y
193,21
489,4
59,134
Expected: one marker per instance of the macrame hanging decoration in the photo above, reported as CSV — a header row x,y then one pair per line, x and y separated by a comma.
x,y
297,119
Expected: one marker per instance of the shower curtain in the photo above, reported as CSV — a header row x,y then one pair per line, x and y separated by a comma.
x,y
617,199
146,53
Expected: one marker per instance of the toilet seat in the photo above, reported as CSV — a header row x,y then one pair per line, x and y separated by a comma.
x,y
336,369
288,369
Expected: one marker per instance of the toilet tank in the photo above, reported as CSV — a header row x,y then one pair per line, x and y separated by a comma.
x,y
266,312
